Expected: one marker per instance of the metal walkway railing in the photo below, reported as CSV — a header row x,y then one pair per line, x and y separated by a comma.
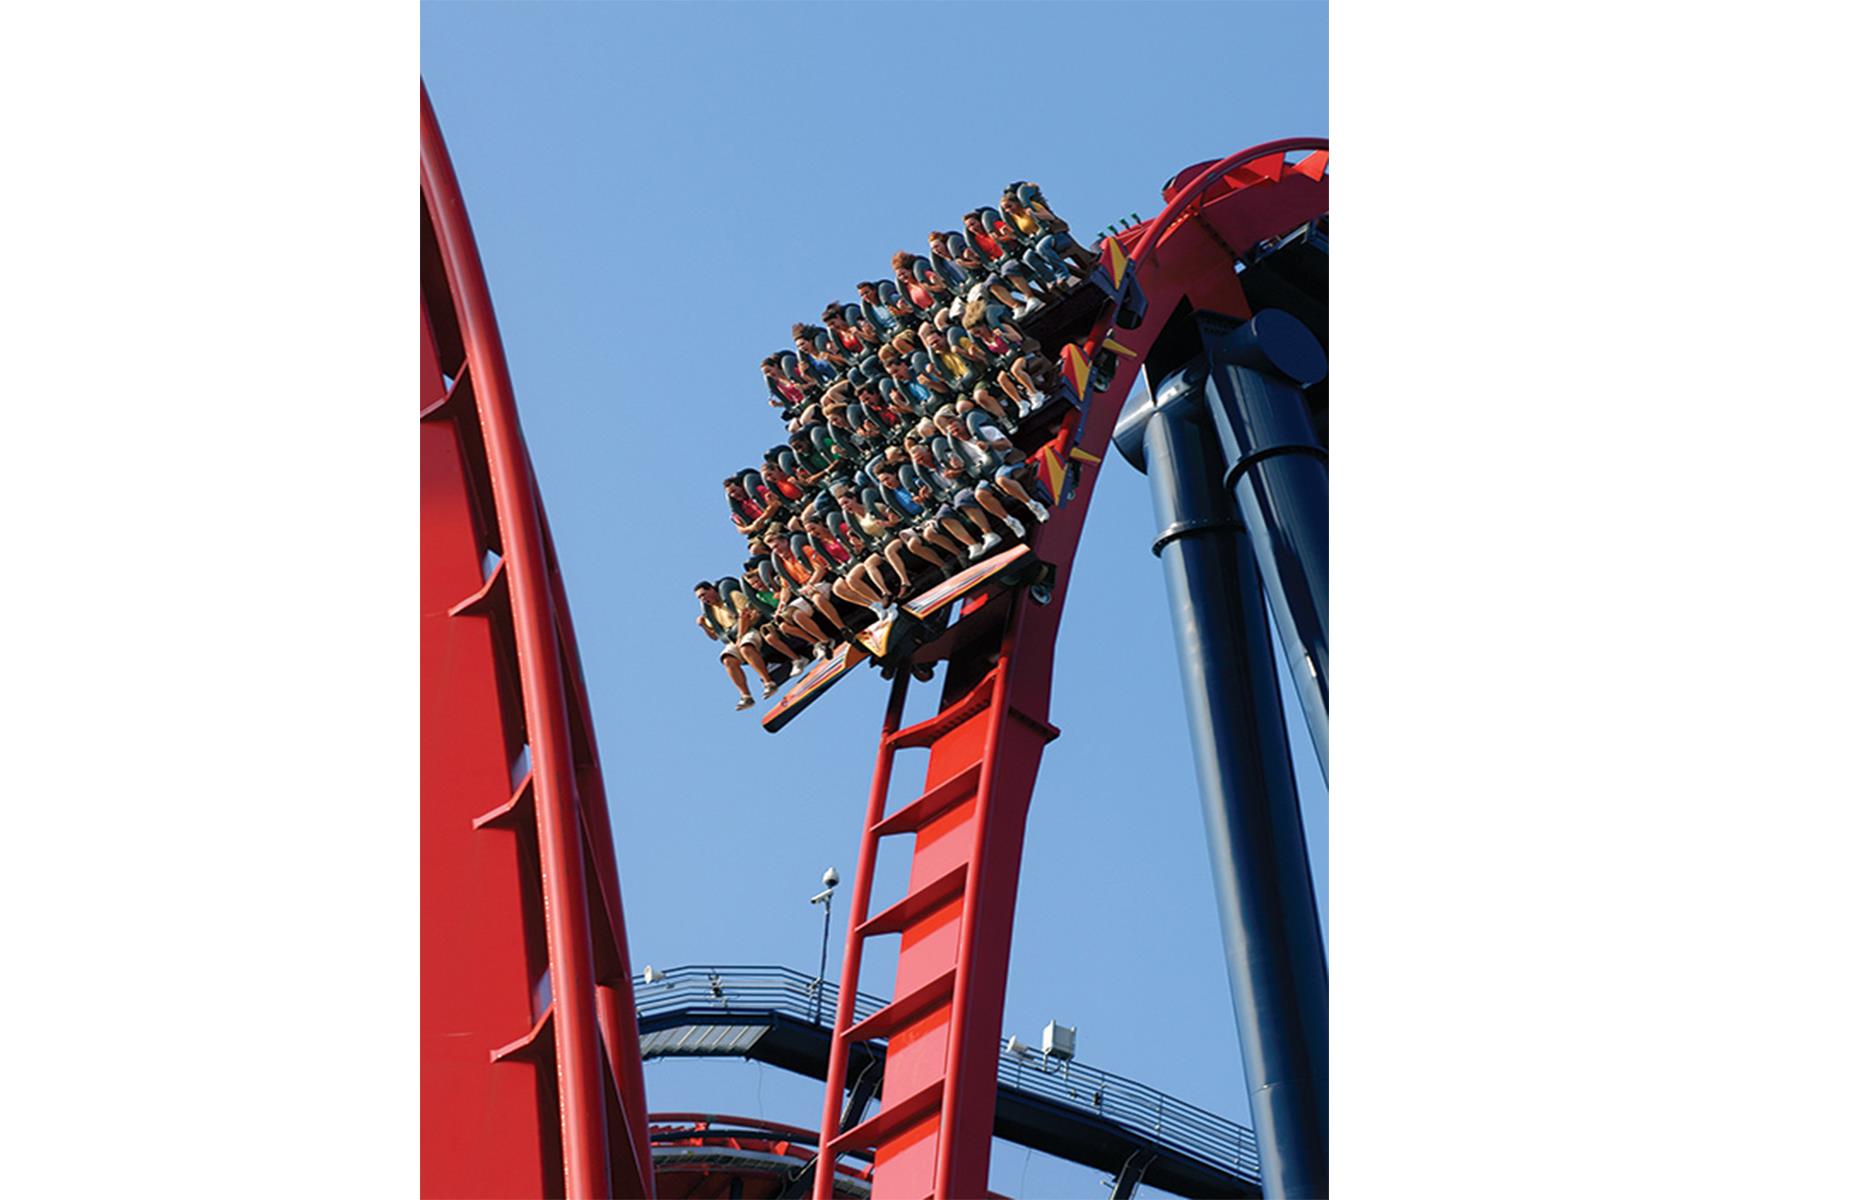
x,y
1184,1128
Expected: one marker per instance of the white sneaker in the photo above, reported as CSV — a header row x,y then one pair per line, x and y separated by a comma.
x,y
990,542
975,551
1019,529
1039,511
1021,312
1039,398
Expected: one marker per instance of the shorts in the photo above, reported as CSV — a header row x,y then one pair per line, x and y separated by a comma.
x,y
732,649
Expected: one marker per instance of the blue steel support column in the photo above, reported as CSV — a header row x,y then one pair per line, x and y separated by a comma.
x,y
1280,476
1256,837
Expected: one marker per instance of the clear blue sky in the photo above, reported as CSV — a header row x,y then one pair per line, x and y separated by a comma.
x,y
658,191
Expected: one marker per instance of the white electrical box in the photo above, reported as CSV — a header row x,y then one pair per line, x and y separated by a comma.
x,y
1059,1041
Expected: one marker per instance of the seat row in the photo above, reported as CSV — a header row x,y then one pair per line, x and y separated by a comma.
x,y
899,466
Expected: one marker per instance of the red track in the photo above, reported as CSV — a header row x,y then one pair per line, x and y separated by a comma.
x,y
931,1137
530,1073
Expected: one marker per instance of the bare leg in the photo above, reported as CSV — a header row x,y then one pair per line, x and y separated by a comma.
x,y
960,532
991,502
894,554
1011,388
776,639
753,656
735,669
823,604
872,574
1014,490
985,400
926,547
852,593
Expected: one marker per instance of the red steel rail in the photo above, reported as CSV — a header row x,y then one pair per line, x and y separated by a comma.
x,y
530,1075
931,1135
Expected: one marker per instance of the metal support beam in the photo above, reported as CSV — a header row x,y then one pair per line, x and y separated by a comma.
x,y
1130,1175
1279,474
864,1090
1256,838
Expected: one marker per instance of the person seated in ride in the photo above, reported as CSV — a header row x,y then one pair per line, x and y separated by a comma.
x,y
811,347
784,394
1035,370
876,310
811,466
1046,245
875,534
845,336
962,370
809,578
778,473
993,456
923,503
989,325
878,407
817,545
930,373
915,395
1028,377
840,426
759,581
1003,265
750,514
979,476
827,445
1023,205
895,532
984,279
1008,237
729,620
943,260
918,293
867,433
868,562
790,615
862,325
983,397
948,477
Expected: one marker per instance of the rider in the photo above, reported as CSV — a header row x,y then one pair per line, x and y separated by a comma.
x,y
730,621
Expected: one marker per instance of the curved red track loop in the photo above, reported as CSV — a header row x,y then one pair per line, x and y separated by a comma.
x,y
932,1134
498,665
1159,226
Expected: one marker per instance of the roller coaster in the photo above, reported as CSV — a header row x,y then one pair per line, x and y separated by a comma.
x,y
532,1018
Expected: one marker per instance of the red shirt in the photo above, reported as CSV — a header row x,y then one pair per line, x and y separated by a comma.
x,y
987,245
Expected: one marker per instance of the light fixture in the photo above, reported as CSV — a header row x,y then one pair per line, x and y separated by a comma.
x,y
653,974
1059,1041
